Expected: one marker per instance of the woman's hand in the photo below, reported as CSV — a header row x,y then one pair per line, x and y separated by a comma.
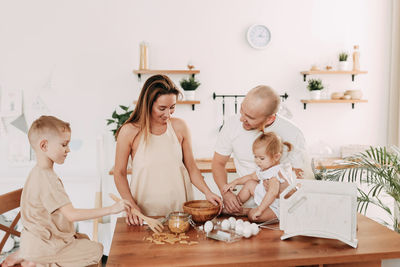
x,y
214,199
132,219
121,206
229,187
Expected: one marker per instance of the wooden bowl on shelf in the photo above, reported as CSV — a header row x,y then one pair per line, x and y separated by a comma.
x,y
201,210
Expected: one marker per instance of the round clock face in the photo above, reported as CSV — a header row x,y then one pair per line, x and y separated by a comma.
x,y
258,36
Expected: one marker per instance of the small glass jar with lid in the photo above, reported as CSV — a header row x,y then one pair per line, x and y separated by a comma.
x,y
179,222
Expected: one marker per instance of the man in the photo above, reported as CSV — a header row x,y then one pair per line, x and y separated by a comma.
x,y
258,113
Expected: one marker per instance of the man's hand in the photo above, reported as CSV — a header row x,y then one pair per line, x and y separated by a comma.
x,y
232,203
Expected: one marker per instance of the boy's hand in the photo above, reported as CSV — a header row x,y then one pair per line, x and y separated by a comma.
x,y
215,199
229,187
122,205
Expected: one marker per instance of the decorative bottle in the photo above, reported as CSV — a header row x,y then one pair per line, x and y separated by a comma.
x,y
144,63
356,58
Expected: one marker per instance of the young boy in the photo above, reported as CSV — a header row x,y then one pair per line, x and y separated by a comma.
x,y
48,237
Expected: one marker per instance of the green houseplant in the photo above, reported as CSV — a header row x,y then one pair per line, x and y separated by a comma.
x,y
118,119
189,86
315,86
343,63
379,169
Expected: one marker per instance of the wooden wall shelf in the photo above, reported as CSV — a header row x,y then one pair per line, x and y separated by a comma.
x,y
351,72
182,102
352,101
153,72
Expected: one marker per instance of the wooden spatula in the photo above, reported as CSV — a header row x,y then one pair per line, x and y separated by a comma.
x,y
155,225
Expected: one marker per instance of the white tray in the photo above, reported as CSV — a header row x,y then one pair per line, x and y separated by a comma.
x,y
320,209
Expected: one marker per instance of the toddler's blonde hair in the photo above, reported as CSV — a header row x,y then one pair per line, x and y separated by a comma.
x,y
46,125
272,143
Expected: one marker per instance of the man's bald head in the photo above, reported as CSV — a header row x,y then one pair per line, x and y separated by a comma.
x,y
269,98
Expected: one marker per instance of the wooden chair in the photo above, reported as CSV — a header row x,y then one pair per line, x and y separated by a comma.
x,y
10,201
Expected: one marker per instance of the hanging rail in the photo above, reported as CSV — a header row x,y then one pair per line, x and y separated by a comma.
x,y
283,97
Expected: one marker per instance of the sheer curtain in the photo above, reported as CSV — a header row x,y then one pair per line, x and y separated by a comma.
x,y
394,93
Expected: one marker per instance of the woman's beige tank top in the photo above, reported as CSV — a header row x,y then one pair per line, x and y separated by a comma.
x,y
160,183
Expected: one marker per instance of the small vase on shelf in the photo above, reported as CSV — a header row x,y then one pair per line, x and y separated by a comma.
x,y
356,58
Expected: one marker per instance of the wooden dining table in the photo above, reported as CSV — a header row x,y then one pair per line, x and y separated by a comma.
x,y
375,243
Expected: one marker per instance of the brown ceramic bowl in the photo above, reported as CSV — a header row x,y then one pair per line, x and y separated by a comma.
x,y
201,210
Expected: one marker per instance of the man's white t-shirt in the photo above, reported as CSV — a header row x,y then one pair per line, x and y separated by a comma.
x,y
234,139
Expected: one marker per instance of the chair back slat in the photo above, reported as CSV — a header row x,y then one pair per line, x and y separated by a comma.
x,y
10,201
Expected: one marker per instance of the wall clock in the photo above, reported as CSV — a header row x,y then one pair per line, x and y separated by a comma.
x,y
258,36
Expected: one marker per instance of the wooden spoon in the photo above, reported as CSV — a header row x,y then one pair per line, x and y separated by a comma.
x,y
155,225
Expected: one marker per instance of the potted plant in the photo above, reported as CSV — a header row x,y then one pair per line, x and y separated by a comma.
x,y
379,169
119,119
315,86
189,86
343,63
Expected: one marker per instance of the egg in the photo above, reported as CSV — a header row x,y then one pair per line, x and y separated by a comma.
x,y
225,225
232,221
240,221
239,228
208,226
254,229
247,231
246,223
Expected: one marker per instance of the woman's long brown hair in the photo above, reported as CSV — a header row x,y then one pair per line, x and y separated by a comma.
x,y
154,87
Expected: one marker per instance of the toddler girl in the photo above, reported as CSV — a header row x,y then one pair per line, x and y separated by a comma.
x,y
267,150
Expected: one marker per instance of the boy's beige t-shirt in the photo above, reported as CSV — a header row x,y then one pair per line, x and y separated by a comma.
x,y
45,230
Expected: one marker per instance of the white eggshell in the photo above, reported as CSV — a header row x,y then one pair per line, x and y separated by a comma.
x,y
225,225
240,221
232,221
208,226
239,228
247,231
247,223
254,229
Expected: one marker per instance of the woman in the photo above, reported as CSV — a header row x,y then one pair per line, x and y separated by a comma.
x,y
163,166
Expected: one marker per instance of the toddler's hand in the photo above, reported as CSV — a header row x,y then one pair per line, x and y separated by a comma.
x,y
229,187
121,206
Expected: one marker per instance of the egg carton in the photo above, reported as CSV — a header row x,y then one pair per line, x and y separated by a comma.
x,y
228,231
227,236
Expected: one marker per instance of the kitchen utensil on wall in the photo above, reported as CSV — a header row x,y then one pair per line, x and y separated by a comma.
x,y
223,113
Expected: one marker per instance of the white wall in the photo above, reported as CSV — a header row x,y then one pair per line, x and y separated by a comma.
x,y
79,56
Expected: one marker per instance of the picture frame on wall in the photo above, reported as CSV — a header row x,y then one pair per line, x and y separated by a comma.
x,y
10,103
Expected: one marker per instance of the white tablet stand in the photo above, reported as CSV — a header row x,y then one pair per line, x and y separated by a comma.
x,y
320,209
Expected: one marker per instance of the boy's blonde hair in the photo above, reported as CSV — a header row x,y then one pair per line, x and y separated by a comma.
x,y
46,125
272,143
